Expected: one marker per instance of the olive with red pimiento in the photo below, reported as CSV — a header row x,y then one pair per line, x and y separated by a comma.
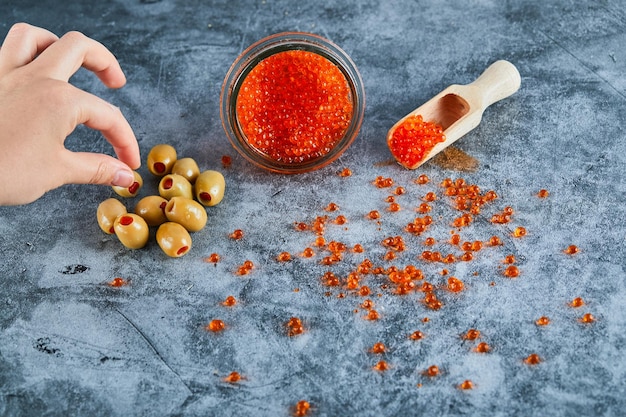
x,y
209,188
161,159
187,212
152,209
131,190
109,210
173,239
174,185
188,168
132,230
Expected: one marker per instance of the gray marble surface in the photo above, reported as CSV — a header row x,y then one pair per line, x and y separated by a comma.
x,y
71,345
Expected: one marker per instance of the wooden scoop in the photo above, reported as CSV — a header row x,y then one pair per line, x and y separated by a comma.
x,y
459,108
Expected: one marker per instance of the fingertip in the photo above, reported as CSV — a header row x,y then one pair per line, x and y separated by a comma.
x,y
123,178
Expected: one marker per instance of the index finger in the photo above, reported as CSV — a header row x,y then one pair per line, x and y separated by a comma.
x,y
74,50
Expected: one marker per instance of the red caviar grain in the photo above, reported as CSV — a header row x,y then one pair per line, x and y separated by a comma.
x,y
284,257
519,232
472,334
571,250
378,348
373,215
577,302
511,271
382,182
543,193
212,258
413,140
432,371
416,335
294,106
229,301
587,318
381,366
482,347
422,179
216,325
236,234
294,327
542,321
308,253
532,359
466,385
372,315
233,377
346,172
455,284
226,161
118,282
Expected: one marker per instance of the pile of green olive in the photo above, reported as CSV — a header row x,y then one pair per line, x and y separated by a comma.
x,y
180,207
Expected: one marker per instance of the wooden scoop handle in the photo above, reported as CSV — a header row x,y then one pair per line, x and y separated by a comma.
x,y
498,81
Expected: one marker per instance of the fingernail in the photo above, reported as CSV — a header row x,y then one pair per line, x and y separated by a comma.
x,y
123,178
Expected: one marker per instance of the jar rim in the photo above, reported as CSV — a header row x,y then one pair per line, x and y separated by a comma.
x,y
262,49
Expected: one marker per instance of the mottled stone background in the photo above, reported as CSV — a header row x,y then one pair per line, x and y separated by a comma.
x,y
71,345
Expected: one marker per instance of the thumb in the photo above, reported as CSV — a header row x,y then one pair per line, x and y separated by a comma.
x,y
92,168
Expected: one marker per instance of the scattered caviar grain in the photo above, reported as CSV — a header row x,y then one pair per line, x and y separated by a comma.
x,y
372,315
381,182
301,409
358,248
245,268
587,318
341,220
519,231
430,196
216,325
364,291
346,172
425,320
233,377
511,271
467,256
320,241
571,250
308,253
542,321
543,193
212,258
432,371
378,348
413,140
226,161
422,179
455,284
284,257
472,334
118,282
294,327
482,347
394,207
373,215
301,226
494,241
532,359
332,207
466,385
229,301
367,304
429,241
424,208
577,302
381,366
416,335
509,259
455,239
400,191
477,245
236,234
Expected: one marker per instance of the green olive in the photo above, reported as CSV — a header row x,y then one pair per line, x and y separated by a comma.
x,y
210,186
173,239
187,212
107,212
161,158
152,209
131,190
188,168
174,185
132,230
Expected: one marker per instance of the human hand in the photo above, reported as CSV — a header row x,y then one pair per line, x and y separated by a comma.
x,y
39,109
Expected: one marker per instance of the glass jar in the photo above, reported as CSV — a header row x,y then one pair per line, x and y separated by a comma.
x,y
300,46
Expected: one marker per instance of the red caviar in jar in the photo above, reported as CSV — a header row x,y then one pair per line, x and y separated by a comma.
x,y
294,106
413,140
